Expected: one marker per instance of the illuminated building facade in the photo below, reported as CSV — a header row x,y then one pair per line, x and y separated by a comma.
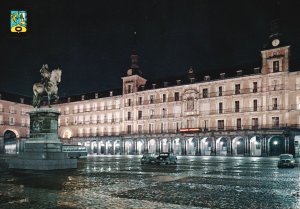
x,y
249,114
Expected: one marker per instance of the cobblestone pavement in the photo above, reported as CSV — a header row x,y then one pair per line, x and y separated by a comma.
x,y
121,182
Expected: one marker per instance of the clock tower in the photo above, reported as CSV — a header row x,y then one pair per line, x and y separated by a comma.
x,y
275,55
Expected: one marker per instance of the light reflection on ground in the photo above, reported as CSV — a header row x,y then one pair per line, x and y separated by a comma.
x,y
121,182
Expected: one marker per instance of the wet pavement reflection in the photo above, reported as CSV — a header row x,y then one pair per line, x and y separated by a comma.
x,y
121,182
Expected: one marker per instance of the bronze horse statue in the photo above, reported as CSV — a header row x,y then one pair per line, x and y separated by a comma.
x,y
47,86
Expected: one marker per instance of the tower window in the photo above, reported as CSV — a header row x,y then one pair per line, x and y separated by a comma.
x,y
205,93
276,66
129,89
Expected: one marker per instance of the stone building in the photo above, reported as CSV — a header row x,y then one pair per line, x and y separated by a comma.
x,y
254,113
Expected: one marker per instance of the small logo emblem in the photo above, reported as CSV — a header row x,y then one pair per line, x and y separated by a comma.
x,y
18,21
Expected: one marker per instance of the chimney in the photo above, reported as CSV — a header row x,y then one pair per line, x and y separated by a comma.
x,y
178,82
153,86
165,84
111,93
222,75
207,78
22,100
82,97
256,70
96,95
239,72
69,99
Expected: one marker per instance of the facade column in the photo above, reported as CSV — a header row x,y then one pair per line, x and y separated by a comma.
x,y
135,146
247,148
185,147
97,146
91,147
213,146
264,147
197,147
157,144
105,147
229,146
286,147
123,147
113,147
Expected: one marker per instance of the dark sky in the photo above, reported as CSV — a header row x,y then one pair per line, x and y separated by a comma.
x,y
91,41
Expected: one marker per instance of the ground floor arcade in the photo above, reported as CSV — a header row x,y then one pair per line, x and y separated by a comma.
x,y
271,144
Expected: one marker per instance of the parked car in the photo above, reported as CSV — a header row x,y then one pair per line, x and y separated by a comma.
x,y
148,158
166,158
286,160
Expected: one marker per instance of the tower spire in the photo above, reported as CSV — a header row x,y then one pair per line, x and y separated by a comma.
x,y
134,57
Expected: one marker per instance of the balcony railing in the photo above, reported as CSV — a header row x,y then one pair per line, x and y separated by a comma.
x,y
9,123
191,130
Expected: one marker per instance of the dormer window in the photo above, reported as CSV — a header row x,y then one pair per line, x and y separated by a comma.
x,y
178,82
129,89
82,97
96,95
275,66
207,78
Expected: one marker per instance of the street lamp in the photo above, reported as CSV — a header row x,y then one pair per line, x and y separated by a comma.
x,y
275,142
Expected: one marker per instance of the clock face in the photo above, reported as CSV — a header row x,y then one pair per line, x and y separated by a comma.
x,y
275,42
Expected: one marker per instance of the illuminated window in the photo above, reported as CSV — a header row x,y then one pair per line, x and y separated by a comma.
x,y
276,66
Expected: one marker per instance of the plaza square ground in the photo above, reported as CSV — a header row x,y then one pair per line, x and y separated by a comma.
x,y
122,182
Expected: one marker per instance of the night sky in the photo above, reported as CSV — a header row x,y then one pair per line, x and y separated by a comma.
x,y
91,41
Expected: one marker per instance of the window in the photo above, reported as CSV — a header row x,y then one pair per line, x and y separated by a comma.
x,y
67,121
150,128
254,87
255,105
220,107
140,100
1,119
275,122
140,129
94,106
12,110
128,115
176,96
128,129
275,66
239,124
140,114
164,112
237,88
220,91
237,106
205,93
151,99
11,121
151,113
254,123
220,124
161,127
129,102
274,104
75,120
129,90
164,98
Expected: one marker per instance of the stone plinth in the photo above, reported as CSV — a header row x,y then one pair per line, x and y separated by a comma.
x,y
43,150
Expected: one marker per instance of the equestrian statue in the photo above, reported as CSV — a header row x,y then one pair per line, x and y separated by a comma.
x,y
47,86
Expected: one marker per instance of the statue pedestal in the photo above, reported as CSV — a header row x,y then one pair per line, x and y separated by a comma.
x,y
43,150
